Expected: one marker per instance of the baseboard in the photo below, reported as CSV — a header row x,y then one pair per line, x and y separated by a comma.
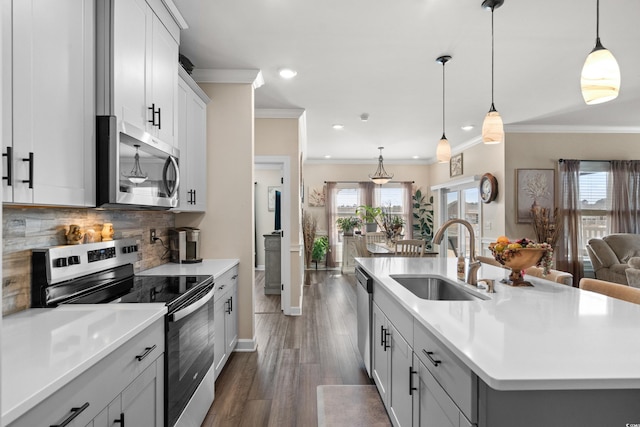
x,y
297,311
245,345
260,267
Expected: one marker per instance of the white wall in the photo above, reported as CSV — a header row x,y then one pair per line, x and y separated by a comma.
x,y
265,219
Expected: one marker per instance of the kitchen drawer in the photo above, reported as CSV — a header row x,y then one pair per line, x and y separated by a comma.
x,y
396,314
225,282
457,380
99,384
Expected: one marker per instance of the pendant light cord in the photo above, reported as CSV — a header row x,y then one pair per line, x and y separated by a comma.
x,y
492,65
443,62
597,19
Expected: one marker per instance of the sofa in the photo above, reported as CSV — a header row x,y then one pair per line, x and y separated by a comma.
x,y
610,256
633,272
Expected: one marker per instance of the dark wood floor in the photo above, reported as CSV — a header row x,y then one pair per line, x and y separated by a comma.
x,y
276,385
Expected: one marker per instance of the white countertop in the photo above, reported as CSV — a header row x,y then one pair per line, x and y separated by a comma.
x,y
549,336
44,349
212,267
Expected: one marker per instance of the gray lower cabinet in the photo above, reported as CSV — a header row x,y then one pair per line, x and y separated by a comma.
x,y
272,269
225,318
119,386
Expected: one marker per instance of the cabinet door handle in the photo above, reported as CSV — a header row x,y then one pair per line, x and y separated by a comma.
x,y
228,306
387,334
194,196
411,387
9,156
74,413
235,276
431,359
153,114
231,303
30,180
159,119
120,420
146,352
381,335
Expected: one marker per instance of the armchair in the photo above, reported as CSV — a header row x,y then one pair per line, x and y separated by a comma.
x,y
633,272
611,254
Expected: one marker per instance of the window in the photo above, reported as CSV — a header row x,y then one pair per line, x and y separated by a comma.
x,y
457,238
348,198
392,197
595,196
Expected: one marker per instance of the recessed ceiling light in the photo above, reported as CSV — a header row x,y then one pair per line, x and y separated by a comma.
x,y
364,117
467,127
338,126
288,73
328,156
416,157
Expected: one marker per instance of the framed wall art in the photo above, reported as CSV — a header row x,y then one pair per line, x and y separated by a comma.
x,y
455,165
534,188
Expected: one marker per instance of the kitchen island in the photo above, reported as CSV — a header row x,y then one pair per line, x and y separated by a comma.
x,y
551,354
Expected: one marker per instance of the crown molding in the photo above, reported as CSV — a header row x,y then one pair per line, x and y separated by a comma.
x,y
193,85
175,13
570,129
210,75
279,113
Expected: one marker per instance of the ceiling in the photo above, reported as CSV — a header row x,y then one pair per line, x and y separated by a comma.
x,y
378,57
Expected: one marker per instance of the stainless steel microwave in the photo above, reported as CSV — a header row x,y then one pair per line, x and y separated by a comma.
x,y
133,169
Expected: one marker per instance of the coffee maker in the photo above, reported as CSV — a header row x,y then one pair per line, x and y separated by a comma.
x,y
184,245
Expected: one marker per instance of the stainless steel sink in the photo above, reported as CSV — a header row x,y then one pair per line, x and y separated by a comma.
x,y
437,288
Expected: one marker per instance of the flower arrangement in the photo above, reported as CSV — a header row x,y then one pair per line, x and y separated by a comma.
x,y
504,251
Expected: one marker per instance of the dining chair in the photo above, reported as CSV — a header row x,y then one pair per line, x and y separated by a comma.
x,y
361,247
613,290
553,275
375,237
410,247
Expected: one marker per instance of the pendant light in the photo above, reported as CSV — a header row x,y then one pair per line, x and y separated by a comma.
x,y
380,176
600,78
136,176
492,127
443,152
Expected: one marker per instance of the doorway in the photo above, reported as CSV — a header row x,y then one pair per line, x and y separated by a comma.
x,y
272,201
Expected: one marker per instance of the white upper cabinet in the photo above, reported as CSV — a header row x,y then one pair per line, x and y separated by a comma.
x,y
192,143
143,89
48,102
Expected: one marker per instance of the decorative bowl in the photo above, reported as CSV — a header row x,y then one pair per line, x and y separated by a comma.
x,y
521,259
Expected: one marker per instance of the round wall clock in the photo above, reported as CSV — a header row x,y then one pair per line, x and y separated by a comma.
x,y
488,188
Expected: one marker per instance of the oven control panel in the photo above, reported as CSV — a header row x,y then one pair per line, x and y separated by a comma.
x,y
72,261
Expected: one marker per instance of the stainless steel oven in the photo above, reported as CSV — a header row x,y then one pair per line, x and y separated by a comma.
x,y
134,169
103,273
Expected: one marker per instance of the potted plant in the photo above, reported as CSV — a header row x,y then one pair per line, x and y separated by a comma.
x,y
348,224
369,216
422,218
320,248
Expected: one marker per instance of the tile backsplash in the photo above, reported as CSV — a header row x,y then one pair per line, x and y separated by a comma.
x,y
26,228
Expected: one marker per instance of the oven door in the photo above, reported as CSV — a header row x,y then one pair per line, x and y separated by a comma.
x,y
189,352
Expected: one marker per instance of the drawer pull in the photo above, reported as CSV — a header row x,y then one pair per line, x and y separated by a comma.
x,y
428,354
146,352
9,156
74,413
235,276
120,420
411,387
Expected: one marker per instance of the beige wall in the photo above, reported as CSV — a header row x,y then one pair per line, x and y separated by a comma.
x,y
315,174
227,229
542,151
265,219
280,137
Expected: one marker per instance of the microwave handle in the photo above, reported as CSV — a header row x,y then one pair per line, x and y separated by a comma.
x,y
181,314
171,160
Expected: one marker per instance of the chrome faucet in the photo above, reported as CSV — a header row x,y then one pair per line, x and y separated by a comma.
x,y
474,264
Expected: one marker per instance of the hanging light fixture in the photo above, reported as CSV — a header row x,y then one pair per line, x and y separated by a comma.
x,y
380,176
443,152
600,78
492,127
136,175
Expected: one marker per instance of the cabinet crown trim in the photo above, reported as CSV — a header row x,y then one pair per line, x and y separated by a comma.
x,y
252,77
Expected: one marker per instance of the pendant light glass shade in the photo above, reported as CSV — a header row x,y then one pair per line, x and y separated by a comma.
x,y
492,127
443,152
600,78
380,176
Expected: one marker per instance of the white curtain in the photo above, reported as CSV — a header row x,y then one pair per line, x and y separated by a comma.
x,y
332,230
